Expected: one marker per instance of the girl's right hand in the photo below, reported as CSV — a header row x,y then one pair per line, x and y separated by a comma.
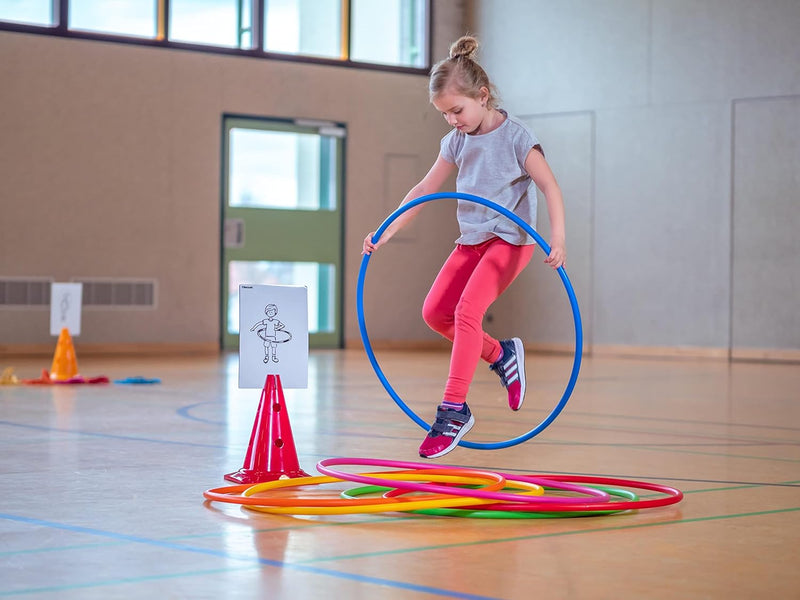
x,y
368,247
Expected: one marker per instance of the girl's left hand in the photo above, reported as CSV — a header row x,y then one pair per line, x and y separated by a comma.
x,y
558,255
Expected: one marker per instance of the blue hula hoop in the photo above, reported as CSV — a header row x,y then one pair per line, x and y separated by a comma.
x,y
576,365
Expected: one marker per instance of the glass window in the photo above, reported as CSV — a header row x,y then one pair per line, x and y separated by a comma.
x,y
379,32
215,22
319,278
282,169
122,17
31,12
308,27
389,32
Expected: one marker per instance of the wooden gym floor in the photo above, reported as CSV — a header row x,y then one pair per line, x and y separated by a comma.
x,y
102,485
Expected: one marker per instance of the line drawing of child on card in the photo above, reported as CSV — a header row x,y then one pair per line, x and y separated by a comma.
x,y
272,331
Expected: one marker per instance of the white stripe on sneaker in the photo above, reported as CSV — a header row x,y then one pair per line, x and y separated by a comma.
x,y
512,371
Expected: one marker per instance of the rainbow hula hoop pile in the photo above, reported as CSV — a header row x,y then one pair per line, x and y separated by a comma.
x,y
424,488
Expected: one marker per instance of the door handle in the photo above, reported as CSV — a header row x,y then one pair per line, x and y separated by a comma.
x,y
233,233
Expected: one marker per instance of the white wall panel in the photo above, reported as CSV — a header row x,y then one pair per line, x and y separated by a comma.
x,y
662,227
766,222
723,49
565,56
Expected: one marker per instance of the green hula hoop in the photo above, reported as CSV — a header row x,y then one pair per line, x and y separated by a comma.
x,y
499,514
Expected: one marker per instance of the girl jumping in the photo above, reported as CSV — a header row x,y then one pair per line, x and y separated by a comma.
x,y
498,158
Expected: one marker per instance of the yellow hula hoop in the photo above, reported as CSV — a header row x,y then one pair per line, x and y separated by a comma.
x,y
461,476
235,494
305,506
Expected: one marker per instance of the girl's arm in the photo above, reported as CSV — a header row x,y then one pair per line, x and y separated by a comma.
x,y
431,183
539,170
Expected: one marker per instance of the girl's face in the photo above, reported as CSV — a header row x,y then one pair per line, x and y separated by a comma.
x,y
462,112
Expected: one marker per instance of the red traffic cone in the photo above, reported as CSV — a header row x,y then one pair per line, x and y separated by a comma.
x,y
271,454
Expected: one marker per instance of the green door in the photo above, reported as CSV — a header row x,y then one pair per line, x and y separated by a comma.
x,y
282,217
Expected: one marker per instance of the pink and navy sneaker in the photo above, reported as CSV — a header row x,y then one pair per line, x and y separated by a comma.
x,y
510,367
445,433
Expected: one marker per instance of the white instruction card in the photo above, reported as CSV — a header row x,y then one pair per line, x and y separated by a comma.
x,y
273,335
65,308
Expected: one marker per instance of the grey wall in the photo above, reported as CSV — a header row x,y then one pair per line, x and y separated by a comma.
x,y
672,126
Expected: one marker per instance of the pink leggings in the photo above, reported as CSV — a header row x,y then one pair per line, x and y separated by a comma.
x,y
471,279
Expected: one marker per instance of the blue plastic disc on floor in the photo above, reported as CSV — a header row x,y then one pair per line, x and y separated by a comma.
x,y
576,365
138,380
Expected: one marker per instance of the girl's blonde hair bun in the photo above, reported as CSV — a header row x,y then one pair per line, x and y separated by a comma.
x,y
466,47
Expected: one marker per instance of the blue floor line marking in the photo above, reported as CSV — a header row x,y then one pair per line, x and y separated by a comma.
x,y
122,581
184,412
111,436
221,554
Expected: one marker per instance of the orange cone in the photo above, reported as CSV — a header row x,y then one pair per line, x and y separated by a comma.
x,y
271,454
65,363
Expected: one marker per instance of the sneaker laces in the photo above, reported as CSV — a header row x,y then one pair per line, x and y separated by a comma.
x,y
499,368
501,372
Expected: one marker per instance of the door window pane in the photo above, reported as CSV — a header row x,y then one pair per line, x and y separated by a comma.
x,y
318,278
215,22
282,169
308,27
31,12
389,32
123,17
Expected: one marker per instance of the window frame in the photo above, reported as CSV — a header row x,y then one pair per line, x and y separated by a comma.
x,y
61,20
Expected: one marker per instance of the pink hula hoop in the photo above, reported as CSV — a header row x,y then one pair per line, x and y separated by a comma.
x,y
508,499
672,495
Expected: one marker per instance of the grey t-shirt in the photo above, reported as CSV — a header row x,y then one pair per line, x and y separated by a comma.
x,y
492,165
